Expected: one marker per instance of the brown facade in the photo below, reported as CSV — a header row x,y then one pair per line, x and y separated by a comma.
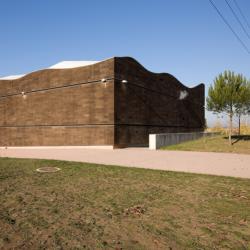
x,y
58,107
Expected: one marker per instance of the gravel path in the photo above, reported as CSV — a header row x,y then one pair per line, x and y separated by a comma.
x,y
236,165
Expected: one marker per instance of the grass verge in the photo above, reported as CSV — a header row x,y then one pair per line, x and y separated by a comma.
x,y
88,206
241,145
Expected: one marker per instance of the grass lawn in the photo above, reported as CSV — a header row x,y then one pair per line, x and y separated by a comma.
x,y
241,144
88,206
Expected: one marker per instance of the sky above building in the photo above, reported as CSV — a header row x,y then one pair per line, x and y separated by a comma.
x,y
187,39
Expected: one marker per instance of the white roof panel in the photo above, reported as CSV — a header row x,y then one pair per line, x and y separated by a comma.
x,y
13,77
72,64
60,65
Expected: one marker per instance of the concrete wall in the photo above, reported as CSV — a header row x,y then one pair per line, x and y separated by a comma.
x,y
157,141
150,103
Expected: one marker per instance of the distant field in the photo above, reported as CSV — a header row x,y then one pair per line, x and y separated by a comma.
x,y
244,129
241,145
88,206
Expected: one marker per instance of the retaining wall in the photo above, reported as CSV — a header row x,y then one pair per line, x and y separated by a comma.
x,y
157,141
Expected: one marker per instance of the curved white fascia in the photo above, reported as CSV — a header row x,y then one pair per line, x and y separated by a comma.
x,y
72,64
60,65
13,77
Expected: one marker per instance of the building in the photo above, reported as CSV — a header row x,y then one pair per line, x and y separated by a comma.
x,y
114,102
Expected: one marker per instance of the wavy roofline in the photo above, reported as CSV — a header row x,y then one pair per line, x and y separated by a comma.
x,y
21,76
164,74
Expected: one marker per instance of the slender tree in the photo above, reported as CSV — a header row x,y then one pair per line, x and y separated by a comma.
x,y
229,94
243,105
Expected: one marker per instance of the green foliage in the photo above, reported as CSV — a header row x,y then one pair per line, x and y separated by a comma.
x,y
230,93
243,105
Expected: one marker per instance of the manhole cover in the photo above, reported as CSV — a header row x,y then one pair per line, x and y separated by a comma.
x,y
48,169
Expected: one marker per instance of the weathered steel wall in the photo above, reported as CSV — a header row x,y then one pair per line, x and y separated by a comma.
x,y
152,103
59,107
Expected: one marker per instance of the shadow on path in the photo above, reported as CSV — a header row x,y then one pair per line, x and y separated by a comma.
x,y
238,138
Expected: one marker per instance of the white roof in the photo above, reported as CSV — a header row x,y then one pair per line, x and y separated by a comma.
x,y
13,77
71,64
60,65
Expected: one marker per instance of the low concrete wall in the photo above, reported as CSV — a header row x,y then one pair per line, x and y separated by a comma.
x,y
157,141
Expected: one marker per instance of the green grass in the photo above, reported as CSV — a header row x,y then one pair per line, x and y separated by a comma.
x,y
241,145
87,206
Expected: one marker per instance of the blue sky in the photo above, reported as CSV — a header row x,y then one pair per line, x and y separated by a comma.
x,y
184,38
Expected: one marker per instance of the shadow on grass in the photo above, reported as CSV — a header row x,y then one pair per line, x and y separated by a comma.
x,y
238,138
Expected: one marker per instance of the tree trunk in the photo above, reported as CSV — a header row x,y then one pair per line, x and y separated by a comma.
x,y
239,126
230,128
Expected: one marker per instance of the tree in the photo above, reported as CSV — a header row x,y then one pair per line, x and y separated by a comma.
x,y
243,105
229,94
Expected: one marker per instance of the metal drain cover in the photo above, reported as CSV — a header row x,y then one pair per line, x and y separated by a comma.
x,y
48,169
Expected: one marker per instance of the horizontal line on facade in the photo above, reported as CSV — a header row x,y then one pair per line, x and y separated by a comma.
x,y
75,126
58,87
95,125
155,125
95,81
106,146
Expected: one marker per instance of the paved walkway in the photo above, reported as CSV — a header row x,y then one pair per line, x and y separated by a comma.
x,y
235,165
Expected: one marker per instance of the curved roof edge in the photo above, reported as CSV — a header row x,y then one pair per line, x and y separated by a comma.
x,y
76,64
60,65
164,74
72,64
12,77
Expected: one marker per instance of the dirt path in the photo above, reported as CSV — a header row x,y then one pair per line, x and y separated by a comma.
x,y
236,165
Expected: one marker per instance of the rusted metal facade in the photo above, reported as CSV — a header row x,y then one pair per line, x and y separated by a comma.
x,y
114,102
